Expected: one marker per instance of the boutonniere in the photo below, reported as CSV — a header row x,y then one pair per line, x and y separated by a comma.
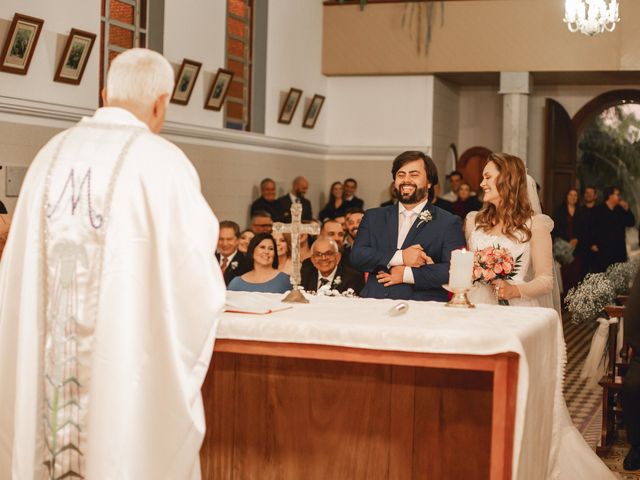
x,y
234,265
337,281
424,217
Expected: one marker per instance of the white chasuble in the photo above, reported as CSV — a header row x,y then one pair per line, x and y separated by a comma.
x,y
109,295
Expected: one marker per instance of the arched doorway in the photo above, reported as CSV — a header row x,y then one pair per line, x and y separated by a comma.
x,y
471,163
562,136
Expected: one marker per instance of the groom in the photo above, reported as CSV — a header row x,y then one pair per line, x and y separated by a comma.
x,y
406,248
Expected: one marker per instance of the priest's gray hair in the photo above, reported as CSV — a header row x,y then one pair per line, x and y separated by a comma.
x,y
332,243
139,76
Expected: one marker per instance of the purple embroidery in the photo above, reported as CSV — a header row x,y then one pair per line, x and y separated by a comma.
x,y
95,219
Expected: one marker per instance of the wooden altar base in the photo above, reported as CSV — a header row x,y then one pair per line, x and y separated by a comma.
x,y
292,411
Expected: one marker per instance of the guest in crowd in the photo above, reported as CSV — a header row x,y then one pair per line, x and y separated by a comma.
x,y
589,202
392,200
446,205
245,238
261,222
298,191
267,202
325,268
305,246
611,219
283,246
465,203
342,220
354,217
263,274
569,225
631,383
232,261
455,180
333,230
335,206
350,199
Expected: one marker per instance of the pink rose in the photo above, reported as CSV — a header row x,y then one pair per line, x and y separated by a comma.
x,y
477,273
489,275
498,268
507,267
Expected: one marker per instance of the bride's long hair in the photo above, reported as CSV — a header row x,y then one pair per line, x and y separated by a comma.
x,y
515,209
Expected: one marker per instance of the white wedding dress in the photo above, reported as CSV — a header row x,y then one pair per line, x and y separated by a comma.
x,y
570,457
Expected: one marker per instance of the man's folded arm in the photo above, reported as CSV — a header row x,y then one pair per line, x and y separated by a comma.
x,y
364,256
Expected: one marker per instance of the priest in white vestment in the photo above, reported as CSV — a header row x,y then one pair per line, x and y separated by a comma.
x,y
109,295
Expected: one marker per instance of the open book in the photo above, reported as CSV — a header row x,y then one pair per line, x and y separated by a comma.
x,y
250,302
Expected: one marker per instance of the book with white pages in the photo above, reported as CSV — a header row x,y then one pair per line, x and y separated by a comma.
x,y
253,303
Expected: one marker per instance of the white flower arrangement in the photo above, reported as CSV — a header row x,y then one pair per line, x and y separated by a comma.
x,y
562,251
327,291
621,275
587,300
425,217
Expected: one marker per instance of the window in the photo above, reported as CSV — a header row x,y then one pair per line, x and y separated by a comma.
x,y
237,112
123,25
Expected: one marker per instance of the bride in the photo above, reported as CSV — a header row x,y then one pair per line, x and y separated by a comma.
x,y
508,219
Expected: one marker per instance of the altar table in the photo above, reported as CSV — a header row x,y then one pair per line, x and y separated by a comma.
x,y
340,389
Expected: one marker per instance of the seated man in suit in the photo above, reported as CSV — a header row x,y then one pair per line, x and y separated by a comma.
x,y
298,191
406,248
324,268
267,202
350,200
232,262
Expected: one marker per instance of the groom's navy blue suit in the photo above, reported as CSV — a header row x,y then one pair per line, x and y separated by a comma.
x,y
377,241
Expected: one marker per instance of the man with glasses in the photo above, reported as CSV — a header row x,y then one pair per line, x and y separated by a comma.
x,y
325,270
261,222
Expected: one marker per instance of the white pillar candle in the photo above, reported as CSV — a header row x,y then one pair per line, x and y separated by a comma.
x,y
461,270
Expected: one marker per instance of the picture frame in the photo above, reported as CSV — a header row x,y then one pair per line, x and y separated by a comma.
x,y
75,57
185,81
20,44
289,106
313,112
219,90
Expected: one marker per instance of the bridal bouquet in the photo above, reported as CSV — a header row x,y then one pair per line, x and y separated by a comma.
x,y
494,263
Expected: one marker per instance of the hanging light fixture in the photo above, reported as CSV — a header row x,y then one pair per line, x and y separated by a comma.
x,y
591,16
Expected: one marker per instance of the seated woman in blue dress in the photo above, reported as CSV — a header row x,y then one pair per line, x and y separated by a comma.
x,y
263,275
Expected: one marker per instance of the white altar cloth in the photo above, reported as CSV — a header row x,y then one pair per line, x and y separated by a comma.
x,y
430,327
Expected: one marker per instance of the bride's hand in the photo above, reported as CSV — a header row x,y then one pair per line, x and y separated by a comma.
x,y
505,290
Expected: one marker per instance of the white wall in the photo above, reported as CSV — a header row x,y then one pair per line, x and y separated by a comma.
x,y
381,111
446,120
294,57
196,30
38,84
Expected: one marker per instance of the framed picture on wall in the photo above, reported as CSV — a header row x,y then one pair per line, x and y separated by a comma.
x,y
20,44
185,81
289,106
313,112
219,89
75,57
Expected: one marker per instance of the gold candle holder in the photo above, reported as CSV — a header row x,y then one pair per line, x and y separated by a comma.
x,y
459,298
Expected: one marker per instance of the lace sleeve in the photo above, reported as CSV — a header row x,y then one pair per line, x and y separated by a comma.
x,y
541,259
469,225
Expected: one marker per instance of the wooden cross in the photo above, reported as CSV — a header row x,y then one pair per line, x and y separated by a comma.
x,y
295,228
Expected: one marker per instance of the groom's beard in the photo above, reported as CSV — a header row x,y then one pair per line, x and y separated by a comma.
x,y
417,196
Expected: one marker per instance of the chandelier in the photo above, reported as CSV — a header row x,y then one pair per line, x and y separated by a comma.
x,y
591,16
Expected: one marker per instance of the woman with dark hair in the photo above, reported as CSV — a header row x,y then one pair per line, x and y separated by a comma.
x,y
283,245
263,275
335,207
507,220
569,226
245,238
